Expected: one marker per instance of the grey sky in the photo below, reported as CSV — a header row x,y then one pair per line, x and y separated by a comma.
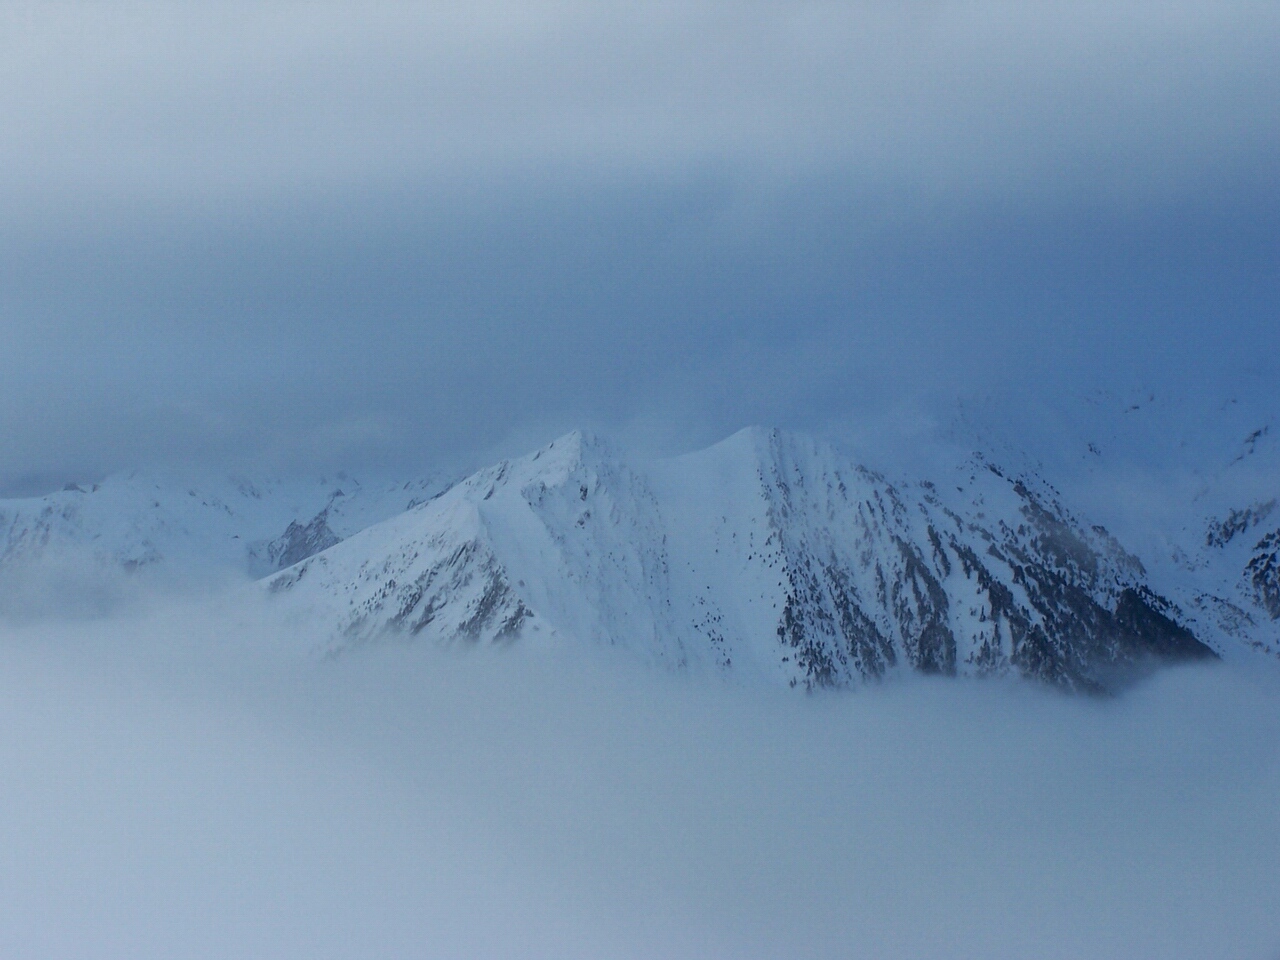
x,y
301,236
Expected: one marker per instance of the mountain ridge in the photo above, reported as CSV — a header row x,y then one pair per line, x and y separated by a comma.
x,y
768,554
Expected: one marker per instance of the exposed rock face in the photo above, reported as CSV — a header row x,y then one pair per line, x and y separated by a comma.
x,y
1263,573
1236,522
769,555
300,541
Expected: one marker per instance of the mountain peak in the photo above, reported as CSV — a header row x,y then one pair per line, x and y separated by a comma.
x,y
769,554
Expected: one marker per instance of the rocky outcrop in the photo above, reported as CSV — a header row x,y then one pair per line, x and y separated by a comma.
x,y
300,541
1263,573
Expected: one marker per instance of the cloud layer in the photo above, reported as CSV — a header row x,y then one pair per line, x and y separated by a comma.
x,y
176,790
304,235
181,100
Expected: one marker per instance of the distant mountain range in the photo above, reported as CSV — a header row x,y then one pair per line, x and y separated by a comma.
x,y
771,556
65,551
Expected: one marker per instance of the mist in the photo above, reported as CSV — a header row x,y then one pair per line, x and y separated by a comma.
x,y
187,780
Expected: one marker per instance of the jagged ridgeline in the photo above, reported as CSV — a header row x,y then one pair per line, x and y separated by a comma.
x,y
770,555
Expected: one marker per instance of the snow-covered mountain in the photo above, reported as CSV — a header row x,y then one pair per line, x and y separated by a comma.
x,y
1222,563
1190,484
171,529
769,554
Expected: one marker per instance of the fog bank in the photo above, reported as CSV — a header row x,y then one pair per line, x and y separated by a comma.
x,y
171,793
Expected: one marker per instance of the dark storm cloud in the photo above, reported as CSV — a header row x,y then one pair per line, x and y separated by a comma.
x,y
304,235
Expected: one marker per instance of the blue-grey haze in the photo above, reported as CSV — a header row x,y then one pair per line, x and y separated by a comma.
x,y
179,787
309,237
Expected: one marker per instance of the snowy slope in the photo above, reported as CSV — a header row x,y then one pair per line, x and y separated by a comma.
x,y
170,529
1222,563
770,555
1190,484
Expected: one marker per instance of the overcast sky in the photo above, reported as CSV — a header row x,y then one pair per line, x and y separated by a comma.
x,y
299,237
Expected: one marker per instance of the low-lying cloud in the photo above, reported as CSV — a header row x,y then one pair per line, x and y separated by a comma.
x,y
182,782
